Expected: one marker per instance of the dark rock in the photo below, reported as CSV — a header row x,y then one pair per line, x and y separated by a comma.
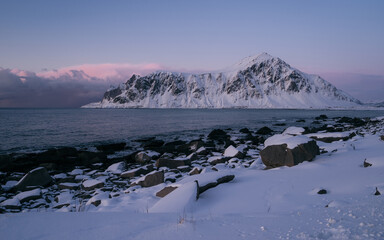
x,y
321,117
86,158
221,180
36,177
5,163
137,172
256,140
279,124
218,134
357,122
225,179
245,130
377,193
112,147
68,185
175,143
300,120
202,151
165,191
217,159
172,163
143,140
195,145
279,155
333,139
382,137
322,191
96,203
174,147
18,163
367,164
151,179
153,144
264,131
142,158
58,206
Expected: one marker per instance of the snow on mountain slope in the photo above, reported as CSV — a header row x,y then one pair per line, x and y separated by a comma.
x,y
259,81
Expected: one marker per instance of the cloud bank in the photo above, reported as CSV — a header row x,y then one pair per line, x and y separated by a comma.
x,y
67,87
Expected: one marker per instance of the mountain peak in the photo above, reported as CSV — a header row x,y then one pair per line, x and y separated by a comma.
x,y
250,61
259,81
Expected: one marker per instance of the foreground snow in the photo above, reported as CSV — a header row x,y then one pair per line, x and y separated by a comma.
x,y
257,204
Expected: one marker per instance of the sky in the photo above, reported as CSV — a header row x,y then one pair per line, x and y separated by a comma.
x,y
48,41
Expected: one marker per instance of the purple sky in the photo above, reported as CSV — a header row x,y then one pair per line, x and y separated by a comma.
x,y
47,46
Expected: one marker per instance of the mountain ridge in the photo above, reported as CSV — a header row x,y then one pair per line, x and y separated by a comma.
x,y
260,81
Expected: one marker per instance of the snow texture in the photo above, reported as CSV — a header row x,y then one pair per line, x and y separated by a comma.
x,y
291,141
116,168
178,201
281,203
231,151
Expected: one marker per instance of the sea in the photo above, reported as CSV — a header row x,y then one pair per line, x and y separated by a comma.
x,y
33,130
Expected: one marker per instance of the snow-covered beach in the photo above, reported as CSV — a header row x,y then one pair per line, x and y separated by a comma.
x,y
334,196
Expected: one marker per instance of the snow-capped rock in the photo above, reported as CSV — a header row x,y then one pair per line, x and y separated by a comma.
x,y
259,81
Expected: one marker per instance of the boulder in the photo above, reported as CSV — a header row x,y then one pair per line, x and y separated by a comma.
x,y
165,191
151,179
195,171
217,134
153,144
12,203
111,148
68,185
217,159
321,117
224,179
233,152
196,144
142,158
256,140
245,130
382,137
175,146
264,131
36,177
220,137
357,122
92,184
202,151
29,195
172,163
322,191
137,171
89,158
116,168
280,155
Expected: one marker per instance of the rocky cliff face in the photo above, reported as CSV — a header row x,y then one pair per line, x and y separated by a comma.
x,y
260,81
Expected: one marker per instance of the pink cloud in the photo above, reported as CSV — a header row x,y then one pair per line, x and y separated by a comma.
x,y
105,71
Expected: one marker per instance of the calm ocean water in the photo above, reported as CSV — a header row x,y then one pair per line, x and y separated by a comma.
x,y
37,129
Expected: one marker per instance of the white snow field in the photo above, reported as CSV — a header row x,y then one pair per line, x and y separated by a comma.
x,y
281,203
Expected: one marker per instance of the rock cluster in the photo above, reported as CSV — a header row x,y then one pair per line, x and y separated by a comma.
x,y
76,179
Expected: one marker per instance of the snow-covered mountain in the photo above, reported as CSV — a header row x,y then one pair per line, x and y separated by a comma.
x,y
261,81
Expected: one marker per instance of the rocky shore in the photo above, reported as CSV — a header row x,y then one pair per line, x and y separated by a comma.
x,y
74,179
